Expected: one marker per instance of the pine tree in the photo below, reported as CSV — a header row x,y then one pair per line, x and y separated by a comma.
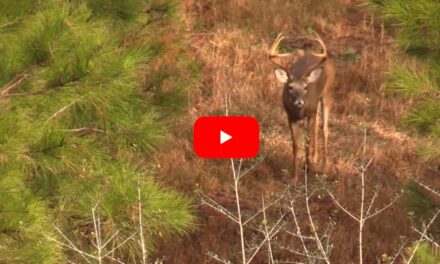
x,y
417,27
416,77
76,125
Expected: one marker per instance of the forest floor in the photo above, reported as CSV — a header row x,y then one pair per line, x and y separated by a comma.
x,y
231,40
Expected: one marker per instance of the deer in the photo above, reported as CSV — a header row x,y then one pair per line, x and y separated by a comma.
x,y
307,81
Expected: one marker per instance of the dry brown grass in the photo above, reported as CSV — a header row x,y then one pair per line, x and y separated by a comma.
x,y
230,39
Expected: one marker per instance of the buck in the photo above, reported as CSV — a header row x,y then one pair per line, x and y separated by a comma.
x,y
307,79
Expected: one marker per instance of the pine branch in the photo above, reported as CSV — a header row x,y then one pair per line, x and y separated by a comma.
x,y
13,84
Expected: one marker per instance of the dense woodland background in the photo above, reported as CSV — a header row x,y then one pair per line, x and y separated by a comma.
x,y
97,101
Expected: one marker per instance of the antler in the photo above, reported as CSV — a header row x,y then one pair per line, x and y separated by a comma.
x,y
324,48
274,53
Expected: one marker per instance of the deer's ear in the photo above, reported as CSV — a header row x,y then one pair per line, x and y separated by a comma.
x,y
281,75
314,75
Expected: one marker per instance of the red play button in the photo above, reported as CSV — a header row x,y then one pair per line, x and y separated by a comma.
x,y
226,137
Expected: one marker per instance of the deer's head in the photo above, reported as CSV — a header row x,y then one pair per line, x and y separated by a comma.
x,y
301,73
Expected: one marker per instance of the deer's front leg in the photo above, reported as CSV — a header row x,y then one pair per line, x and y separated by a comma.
x,y
294,132
314,130
325,116
312,140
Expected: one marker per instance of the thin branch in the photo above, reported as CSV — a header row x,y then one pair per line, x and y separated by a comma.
x,y
22,94
100,247
383,209
219,208
110,239
217,258
298,229
427,238
141,229
120,244
423,235
364,168
63,109
264,208
398,253
266,233
251,168
277,227
239,168
428,188
312,224
300,236
237,196
327,234
237,200
13,84
85,129
302,254
71,245
117,260
361,215
97,228
371,203
74,248
342,207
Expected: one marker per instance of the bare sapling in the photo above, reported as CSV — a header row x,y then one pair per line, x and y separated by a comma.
x,y
247,252
365,211
104,249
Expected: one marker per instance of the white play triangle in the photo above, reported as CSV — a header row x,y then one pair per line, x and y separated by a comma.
x,y
224,137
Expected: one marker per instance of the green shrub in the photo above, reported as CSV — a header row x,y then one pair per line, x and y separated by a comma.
x,y
424,254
